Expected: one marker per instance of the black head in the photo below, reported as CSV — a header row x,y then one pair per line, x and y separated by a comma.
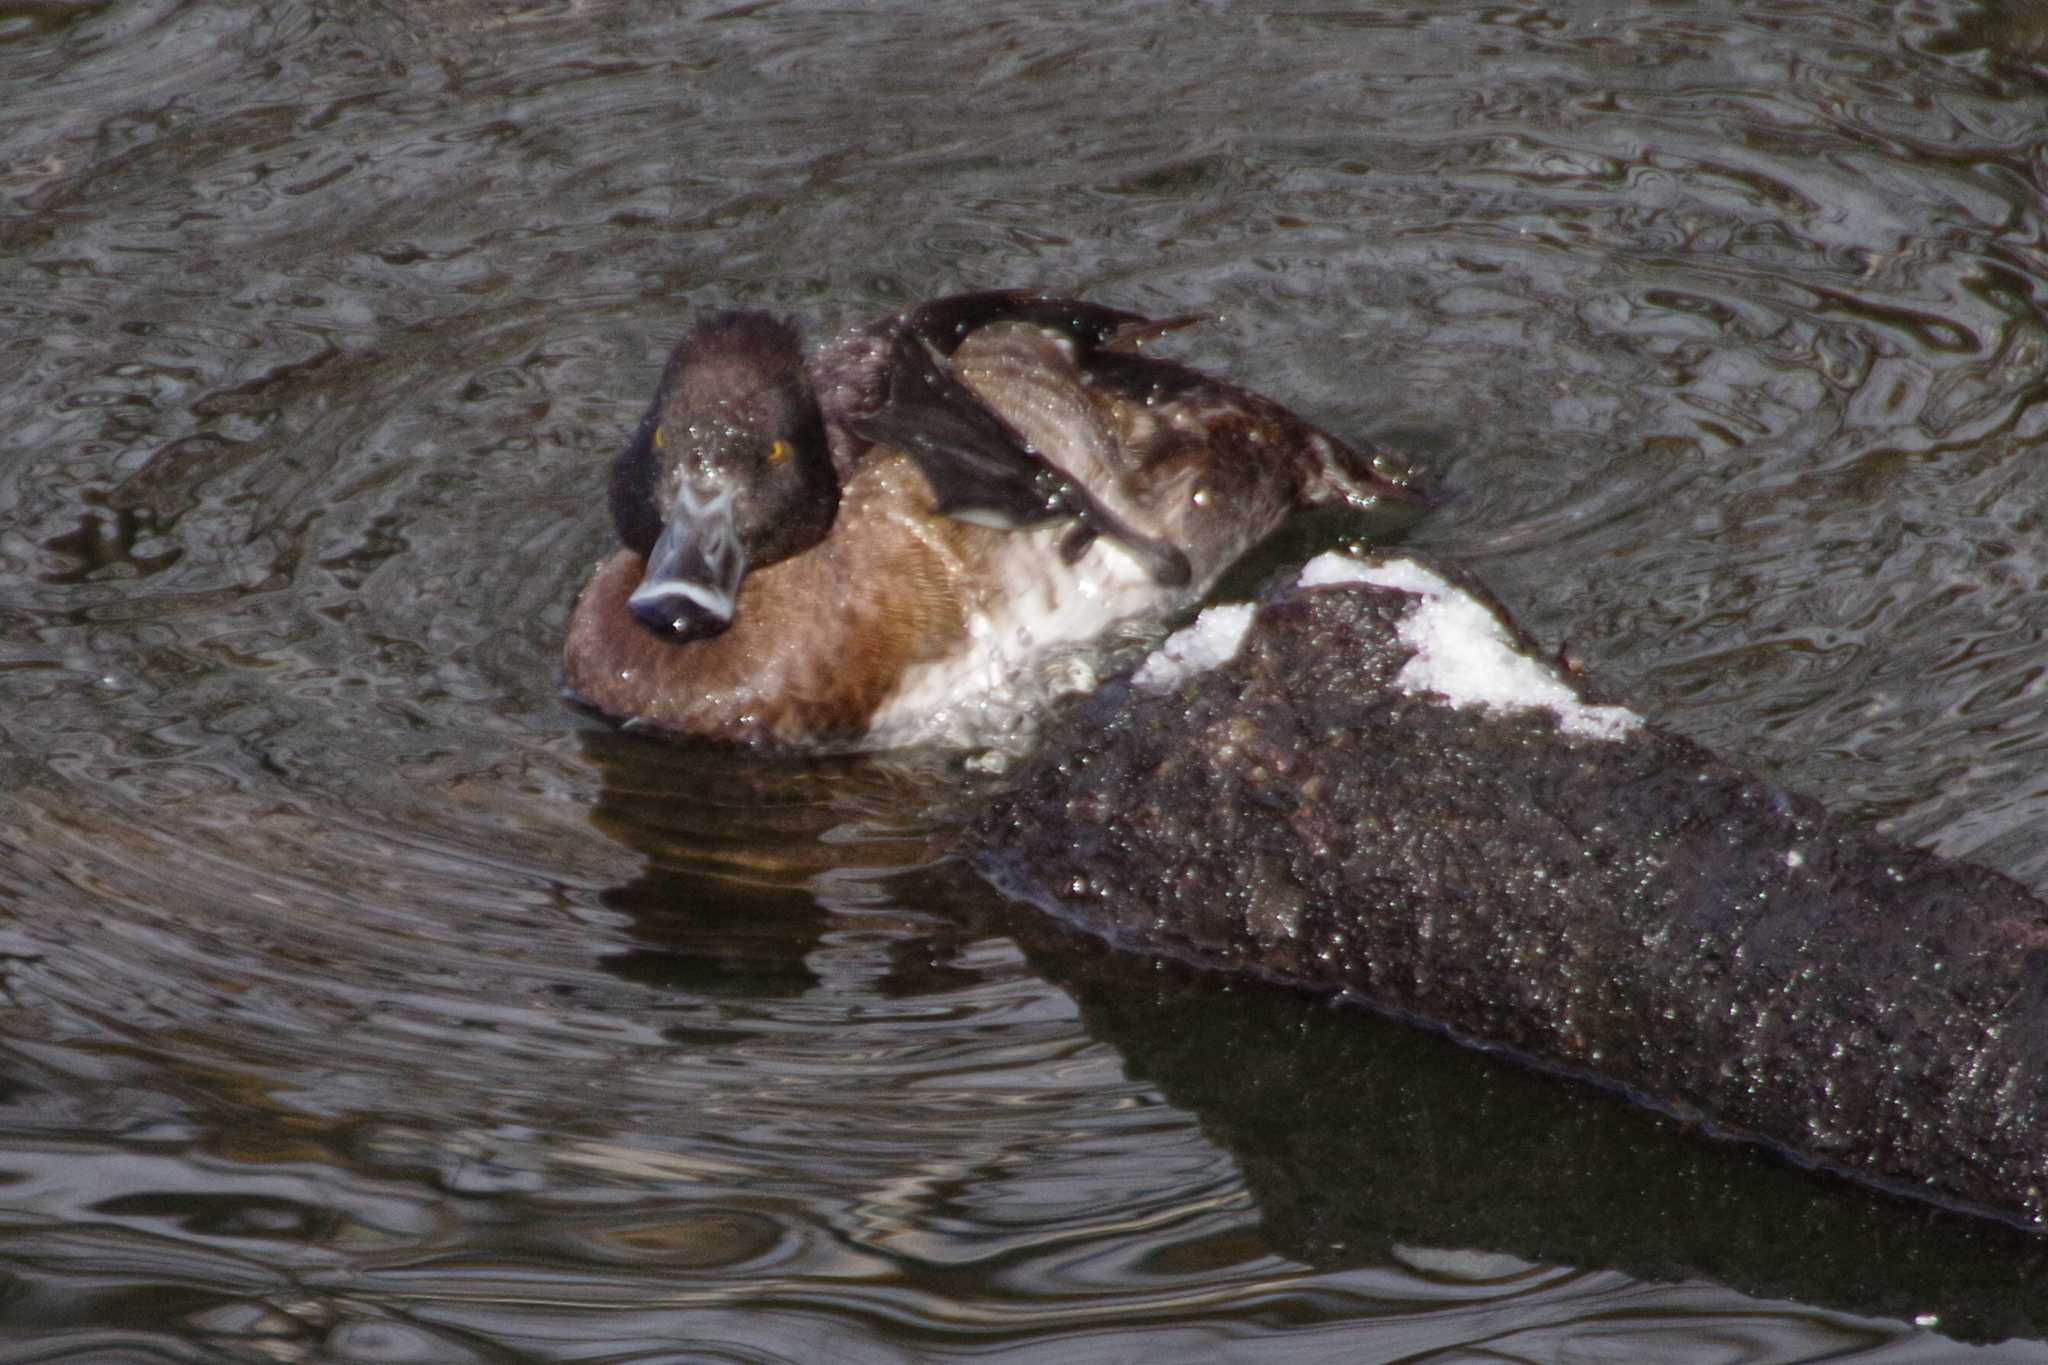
x,y
728,471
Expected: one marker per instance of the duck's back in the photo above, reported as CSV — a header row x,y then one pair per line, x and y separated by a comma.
x,y
1187,460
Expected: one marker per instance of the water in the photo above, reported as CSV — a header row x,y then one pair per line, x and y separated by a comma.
x,y
362,1003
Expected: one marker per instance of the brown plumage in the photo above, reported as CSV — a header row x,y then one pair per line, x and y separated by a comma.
x,y
1083,486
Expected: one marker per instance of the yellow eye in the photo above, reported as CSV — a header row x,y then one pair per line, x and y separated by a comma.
x,y
778,452
661,438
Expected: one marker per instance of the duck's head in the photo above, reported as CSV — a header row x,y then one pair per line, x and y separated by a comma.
x,y
729,470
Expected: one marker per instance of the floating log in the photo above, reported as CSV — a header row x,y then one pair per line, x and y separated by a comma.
x,y
1349,798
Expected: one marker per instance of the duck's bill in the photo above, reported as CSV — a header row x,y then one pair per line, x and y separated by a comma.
x,y
691,586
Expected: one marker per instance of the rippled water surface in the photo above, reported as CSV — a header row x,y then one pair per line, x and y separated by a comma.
x,y
363,1003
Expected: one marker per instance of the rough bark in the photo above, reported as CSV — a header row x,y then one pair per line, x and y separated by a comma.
x,y
1634,911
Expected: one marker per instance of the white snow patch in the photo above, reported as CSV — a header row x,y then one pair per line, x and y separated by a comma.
x,y
1465,654
1404,574
1212,638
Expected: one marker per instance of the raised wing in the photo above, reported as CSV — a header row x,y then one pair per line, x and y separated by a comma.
x,y
980,470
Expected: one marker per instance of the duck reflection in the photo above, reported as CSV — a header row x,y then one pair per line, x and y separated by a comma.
x,y
738,847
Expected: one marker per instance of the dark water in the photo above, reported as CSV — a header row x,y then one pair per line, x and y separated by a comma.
x,y
361,1003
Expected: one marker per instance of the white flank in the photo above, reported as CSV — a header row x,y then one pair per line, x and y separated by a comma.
x,y
1465,654
1041,635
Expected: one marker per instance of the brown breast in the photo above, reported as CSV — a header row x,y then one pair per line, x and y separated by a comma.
x,y
818,641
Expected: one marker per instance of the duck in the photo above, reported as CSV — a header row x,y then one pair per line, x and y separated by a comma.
x,y
922,530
